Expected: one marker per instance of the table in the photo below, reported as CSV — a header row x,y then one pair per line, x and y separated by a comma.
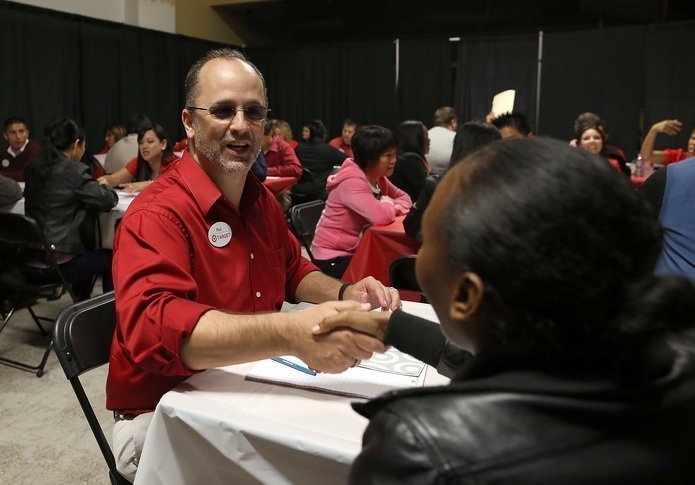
x,y
379,246
217,428
278,185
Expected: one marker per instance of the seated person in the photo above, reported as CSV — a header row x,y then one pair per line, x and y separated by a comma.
x,y
344,141
590,138
113,134
203,261
670,127
413,143
283,129
125,149
20,150
10,191
582,367
64,198
154,158
359,195
279,155
471,136
669,191
612,151
512,125
319,158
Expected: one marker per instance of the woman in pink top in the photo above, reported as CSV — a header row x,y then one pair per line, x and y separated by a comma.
x,y
359,195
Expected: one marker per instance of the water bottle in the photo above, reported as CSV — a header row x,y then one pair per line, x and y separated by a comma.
x,y
637,163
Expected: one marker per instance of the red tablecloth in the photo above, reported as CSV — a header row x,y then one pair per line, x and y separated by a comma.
x,y
278,185
378,247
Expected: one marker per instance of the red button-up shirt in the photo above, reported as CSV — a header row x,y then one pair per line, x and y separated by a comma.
x,y
171,265
281,160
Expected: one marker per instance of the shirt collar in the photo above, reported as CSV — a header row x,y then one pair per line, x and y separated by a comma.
x,y
18,152
204,190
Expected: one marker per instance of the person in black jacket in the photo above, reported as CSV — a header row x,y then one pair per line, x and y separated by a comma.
x,y
539,262
64,198
318,159
471,136
411,170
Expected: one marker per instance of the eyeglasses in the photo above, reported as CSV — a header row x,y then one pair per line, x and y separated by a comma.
x,y
227,112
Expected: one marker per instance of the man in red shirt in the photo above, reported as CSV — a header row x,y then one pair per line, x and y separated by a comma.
x,y
203,261
344,142
20,150
279,155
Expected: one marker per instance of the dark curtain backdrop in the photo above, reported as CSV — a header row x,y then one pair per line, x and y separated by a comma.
x,y
357,80
601,71
489,66
97,72
54,65
669,76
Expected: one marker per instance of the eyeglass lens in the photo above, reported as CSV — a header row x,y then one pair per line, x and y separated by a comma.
x,y
252,112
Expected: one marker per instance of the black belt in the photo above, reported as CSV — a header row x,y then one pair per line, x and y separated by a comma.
x,y
123,417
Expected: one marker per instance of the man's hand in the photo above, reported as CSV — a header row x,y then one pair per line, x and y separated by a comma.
x,y
335,351
371,291
372,323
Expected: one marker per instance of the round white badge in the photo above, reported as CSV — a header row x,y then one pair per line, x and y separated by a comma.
x,y
220,234
5,163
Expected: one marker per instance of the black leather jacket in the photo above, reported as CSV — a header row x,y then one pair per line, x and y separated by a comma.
x,y
519,416
65,205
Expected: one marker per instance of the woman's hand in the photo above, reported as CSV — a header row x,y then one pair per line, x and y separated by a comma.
x,y
103,180
386,198
670,127
134,186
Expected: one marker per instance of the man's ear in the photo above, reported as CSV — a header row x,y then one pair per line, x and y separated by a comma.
x,y
187,120
468,295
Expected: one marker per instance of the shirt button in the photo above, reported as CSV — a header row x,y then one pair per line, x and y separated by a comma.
x,y
251,255
258,294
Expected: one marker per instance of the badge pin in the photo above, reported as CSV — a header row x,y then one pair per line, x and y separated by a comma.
x,y
220,234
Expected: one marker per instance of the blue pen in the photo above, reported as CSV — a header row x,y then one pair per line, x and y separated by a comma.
x,y
298,367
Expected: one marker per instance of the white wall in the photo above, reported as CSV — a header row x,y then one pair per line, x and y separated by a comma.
x,y
149,14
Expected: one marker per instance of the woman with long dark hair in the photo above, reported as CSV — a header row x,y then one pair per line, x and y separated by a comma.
x,y
154,157
413,143
63,197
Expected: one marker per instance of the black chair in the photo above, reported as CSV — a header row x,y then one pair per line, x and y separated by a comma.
x,y
82,336
303,219
21,241
402,275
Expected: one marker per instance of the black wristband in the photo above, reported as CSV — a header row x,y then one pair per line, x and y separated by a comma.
x,y
342,289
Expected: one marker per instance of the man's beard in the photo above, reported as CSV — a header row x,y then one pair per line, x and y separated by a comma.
x,y
215,154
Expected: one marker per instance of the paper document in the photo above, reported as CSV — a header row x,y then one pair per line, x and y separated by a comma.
x,y
354,382
503,102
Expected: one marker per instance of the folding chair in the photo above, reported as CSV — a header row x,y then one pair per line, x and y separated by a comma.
x,y
82,336
304,218
21,240
402,275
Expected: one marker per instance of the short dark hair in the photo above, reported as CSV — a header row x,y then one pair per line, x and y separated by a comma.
x,y
317,129
267,126
369,142
444,116
137,123
472,136
349,122
410,137
191,83
11,121
515,119
566,249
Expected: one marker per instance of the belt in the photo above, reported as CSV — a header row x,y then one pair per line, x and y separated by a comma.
x,y
123,417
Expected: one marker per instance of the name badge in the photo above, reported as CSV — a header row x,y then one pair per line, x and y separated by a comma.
x,y
5,163
220,234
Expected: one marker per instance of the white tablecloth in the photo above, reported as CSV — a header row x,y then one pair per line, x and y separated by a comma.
x,y
217,428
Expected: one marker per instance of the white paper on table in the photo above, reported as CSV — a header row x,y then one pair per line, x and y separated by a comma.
x,y
354,382
503,102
